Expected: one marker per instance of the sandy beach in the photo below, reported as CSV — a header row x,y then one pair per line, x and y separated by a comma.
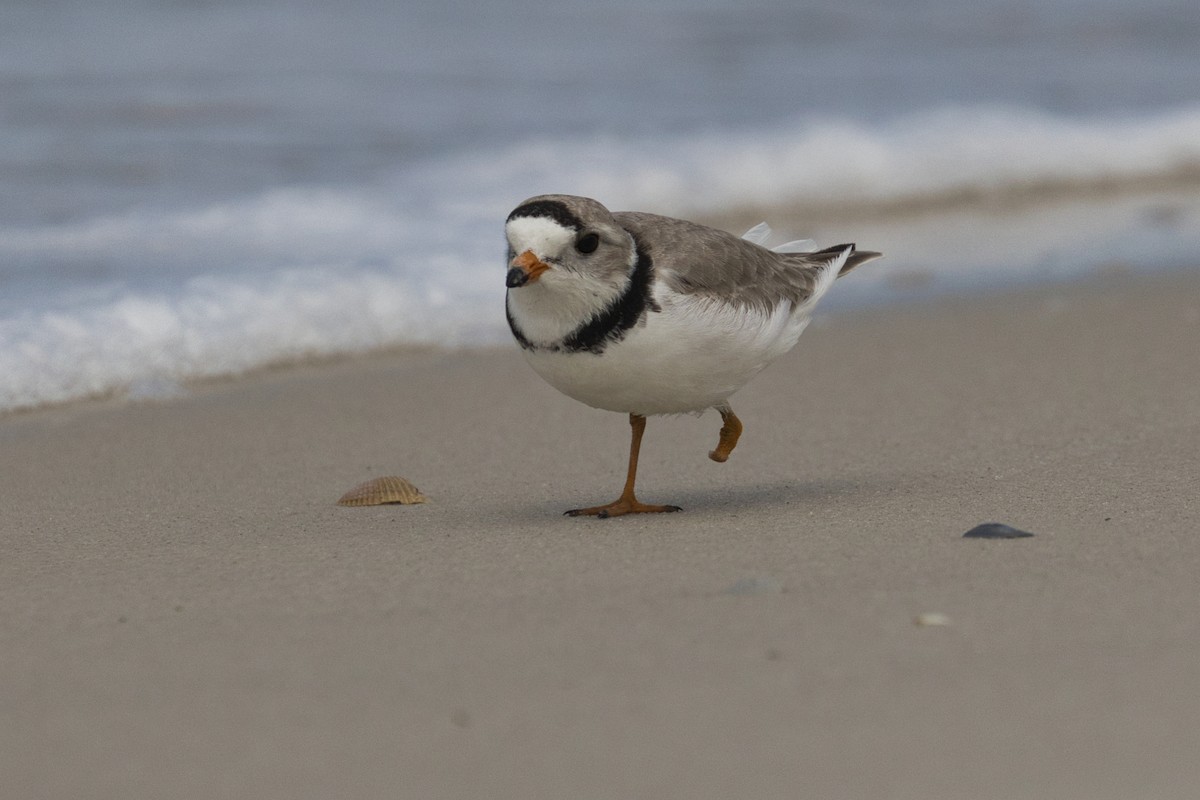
x,y
185,612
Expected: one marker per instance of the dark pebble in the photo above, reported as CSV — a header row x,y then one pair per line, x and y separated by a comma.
x,y
995,530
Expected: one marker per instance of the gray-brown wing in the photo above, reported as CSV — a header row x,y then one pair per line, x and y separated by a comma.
x,y
698,260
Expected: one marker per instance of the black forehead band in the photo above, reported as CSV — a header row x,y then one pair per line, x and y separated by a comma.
x,y
551,209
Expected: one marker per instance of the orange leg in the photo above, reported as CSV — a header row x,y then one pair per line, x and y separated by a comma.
x,y
731,429
626,503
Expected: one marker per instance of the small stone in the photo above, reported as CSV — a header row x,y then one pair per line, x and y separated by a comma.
x,y
931,619
995,530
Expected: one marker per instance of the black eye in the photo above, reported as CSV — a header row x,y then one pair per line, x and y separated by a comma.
x,y
588,243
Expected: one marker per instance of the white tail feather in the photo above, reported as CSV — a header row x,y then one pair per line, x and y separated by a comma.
x,y
758,234
797,246
761,232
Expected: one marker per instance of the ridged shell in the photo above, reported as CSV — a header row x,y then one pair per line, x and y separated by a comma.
x,y
388,489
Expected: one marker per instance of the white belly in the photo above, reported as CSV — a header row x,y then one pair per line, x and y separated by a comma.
x,y
690,356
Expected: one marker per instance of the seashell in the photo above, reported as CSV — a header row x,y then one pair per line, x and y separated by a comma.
x,y
388,489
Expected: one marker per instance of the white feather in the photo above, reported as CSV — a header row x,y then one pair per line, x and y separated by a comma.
x,y
761,232
540,234
797,246
758,234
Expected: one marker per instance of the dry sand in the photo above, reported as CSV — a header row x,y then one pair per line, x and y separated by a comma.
x,y
185,613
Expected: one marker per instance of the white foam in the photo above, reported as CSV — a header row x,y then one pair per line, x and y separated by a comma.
x,y
295,273
946,152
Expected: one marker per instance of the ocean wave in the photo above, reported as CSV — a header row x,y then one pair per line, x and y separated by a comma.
x,y
148,298
946,154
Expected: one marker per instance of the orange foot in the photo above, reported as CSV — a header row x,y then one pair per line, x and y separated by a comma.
x,y
731,431
619,508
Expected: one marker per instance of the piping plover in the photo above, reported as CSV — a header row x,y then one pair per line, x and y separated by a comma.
x,y
645,314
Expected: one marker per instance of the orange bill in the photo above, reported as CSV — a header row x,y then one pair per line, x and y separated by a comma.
x,y
525,268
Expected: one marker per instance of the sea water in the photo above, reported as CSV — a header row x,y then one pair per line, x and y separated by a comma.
x,y
192,189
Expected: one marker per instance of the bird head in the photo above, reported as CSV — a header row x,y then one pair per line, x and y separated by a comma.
x,y
566,243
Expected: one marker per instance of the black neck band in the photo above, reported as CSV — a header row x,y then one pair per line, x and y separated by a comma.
x,y
612,322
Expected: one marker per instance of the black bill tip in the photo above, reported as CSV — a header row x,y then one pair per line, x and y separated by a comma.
x,y
516,277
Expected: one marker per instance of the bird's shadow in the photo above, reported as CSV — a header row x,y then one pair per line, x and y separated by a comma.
x,y
739,498
748,497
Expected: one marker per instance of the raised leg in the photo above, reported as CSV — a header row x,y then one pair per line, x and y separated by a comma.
x,y
626,503
731,429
